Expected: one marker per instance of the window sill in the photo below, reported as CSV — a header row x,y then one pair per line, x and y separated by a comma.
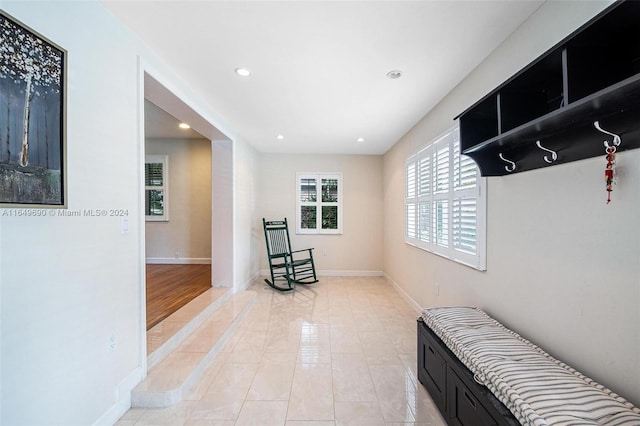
x,y
478,267
154,219
304,232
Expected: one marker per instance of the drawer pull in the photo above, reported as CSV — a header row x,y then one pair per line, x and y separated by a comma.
x,y
470,399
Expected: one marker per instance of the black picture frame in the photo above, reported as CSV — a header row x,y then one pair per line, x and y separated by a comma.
x,y
32,118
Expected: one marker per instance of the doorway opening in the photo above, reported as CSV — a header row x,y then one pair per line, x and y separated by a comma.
x,y
177,213
180,245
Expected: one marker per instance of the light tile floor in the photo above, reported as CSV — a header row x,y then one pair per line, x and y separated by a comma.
x,y
339,352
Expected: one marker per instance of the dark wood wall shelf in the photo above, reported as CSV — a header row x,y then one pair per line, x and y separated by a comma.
x,y
592,75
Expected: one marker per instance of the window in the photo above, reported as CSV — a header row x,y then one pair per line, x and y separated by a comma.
x,y
156,188
319,205
445,202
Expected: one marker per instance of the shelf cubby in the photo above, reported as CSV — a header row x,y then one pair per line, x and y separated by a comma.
x,y
482,123
592,75
604,53
537,91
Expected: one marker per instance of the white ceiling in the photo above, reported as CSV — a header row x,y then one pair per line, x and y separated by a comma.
x,y
160,124
319,67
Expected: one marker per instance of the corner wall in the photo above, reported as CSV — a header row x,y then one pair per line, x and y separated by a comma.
x,y
563,267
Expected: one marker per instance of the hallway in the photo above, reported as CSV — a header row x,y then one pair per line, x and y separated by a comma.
x,y
342,351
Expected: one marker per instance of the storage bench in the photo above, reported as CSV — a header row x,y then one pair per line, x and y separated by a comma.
x,y
481,373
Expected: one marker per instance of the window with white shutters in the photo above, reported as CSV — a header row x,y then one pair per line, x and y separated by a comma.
x,y
445,202
156,188
319,203
411,201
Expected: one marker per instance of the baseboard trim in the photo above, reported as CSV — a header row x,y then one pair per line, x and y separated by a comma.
x,y
404,294
247,284
343,273
337,273
123,399
179,261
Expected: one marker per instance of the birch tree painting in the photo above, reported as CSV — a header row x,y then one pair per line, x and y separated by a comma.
x,y
31,112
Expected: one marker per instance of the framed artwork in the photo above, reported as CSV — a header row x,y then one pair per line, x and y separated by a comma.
x,y
32,118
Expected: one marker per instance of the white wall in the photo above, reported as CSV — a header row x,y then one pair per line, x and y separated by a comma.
x,y
359,249
563,268
222,214
245,238
68,284
188,231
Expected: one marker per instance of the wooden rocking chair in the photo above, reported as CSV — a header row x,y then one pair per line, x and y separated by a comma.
x,y
285,269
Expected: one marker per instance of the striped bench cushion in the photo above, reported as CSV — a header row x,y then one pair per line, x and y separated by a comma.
x,y
537,388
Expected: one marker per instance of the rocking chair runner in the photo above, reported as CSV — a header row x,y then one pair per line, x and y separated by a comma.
x,y
284,268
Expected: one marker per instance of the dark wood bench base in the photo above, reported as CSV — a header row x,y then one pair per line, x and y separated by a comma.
x,y
461,400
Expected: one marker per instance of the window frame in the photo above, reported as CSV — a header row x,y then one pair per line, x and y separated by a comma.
x,y
164,160
449,243
318,176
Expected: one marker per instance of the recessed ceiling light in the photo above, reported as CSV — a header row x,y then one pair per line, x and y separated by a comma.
x,y
184,126
243,72
360,140
394,74
280,137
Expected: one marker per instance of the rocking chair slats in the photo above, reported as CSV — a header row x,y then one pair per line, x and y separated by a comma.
x,y
286,269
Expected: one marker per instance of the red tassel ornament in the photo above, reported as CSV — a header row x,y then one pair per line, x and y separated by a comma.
x,y
609,172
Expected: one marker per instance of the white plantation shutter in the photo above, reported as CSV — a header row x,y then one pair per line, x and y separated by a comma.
x,y
425,190
441,223
465,202
411,179
465,227
445,202
465,172
424,173
441,168
424,221
411,220
410,199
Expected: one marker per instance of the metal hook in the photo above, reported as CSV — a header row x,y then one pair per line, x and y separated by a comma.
x,y
616,139
512,166
554,155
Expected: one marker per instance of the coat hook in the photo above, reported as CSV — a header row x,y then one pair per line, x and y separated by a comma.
x,y
554,155
616,139
511,167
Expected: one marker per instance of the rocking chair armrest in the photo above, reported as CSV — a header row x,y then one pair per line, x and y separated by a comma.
x,y
298,251
299,256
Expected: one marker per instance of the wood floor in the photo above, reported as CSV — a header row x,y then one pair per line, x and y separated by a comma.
x,y
170,287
